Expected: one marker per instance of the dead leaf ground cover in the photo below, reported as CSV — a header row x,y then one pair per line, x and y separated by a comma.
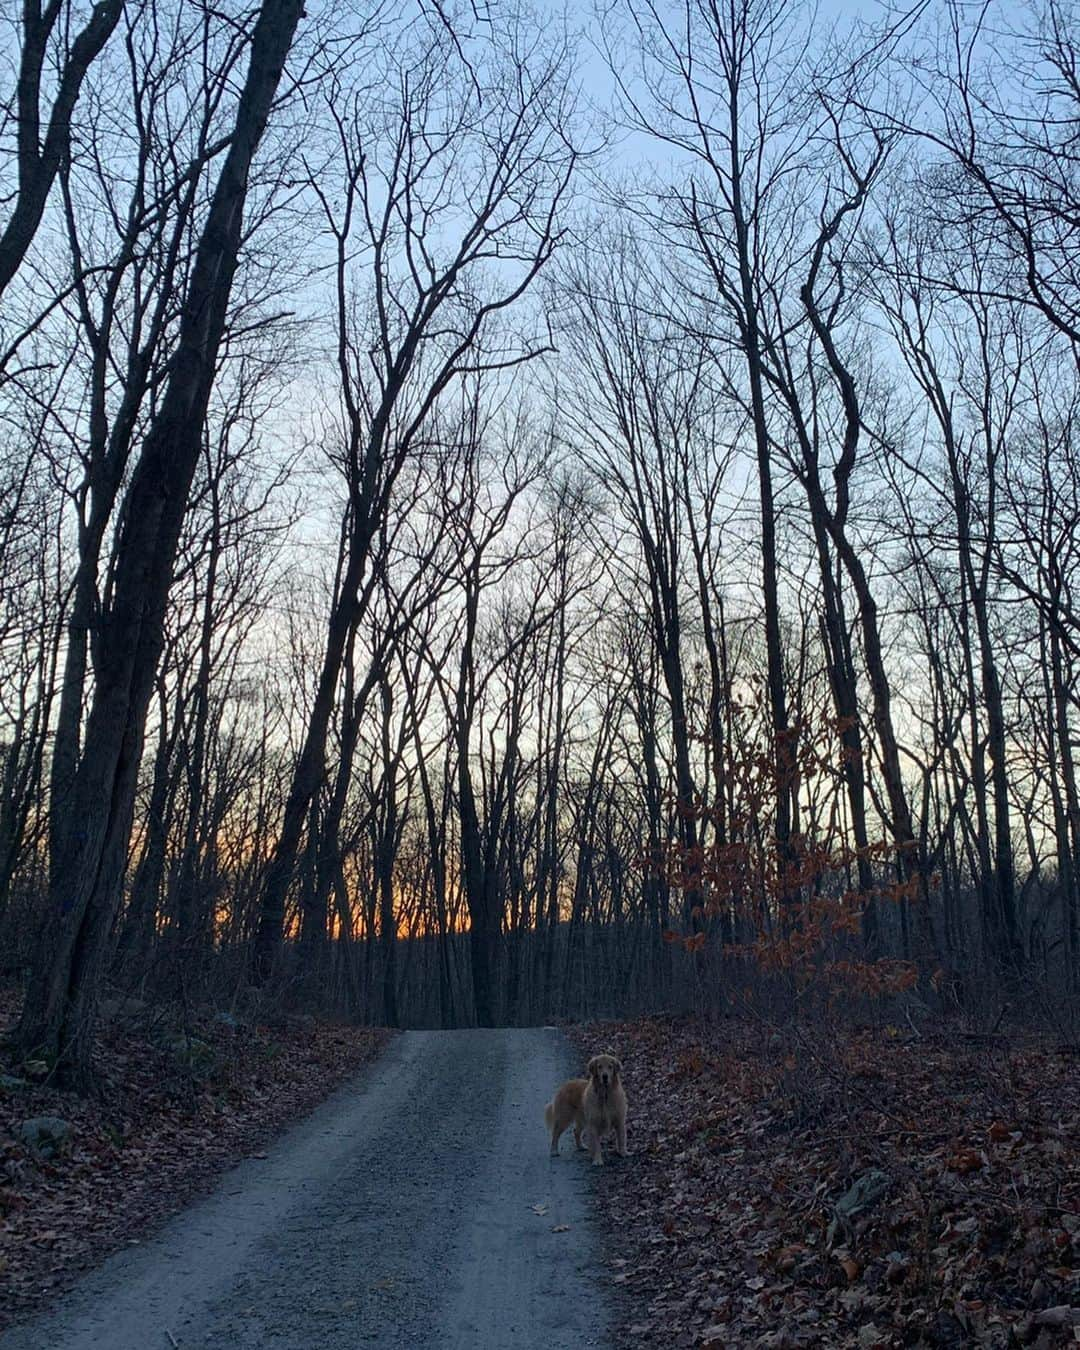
x,y
177,1104
723,1226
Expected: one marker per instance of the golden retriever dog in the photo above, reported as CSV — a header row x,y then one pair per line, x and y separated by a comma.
x,y
595,1106
565,1110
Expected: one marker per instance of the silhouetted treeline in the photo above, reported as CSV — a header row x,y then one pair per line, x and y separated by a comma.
x,y
488,533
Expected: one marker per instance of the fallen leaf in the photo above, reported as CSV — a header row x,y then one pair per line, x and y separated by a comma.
x,y
728,1247
1061,1316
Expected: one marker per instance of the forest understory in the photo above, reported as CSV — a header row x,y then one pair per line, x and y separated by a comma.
x,y
807,1186
181,1097
826,1187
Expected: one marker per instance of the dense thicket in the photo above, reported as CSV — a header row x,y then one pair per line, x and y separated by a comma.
x,y
490,532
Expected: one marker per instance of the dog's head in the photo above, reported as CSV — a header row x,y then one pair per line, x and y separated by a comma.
x,y
604,1070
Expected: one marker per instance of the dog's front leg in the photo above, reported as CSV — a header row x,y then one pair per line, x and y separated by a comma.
x,y
595,1149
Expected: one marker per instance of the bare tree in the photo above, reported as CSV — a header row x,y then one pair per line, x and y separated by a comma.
x,y
58,1016
414,315
715,85
43,133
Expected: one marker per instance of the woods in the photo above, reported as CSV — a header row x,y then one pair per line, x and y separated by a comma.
x,y
507,516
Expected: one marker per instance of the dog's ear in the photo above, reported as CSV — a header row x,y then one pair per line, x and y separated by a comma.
x,y
590,1068
618,1067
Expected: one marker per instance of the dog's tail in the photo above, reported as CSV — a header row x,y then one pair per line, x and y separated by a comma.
x,y
549,1114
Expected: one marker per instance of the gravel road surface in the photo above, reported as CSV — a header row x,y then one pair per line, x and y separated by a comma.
x,y
417,1207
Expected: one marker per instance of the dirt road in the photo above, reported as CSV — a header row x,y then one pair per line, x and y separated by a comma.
x,y
416,1208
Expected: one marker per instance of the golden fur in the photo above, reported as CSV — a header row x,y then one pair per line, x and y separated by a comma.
x,y
565,1110
595,1106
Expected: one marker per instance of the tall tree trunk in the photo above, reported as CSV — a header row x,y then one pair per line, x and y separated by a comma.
x,y
835,522
137,931
841,670
483,929
59,1013
750,333
998,883
386,841
39,157
309,772
1069,841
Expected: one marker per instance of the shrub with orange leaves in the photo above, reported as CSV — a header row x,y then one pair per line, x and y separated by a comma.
x,y
797,911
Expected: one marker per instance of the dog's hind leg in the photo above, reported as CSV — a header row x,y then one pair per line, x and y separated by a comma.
x,y
620,1138
551,1120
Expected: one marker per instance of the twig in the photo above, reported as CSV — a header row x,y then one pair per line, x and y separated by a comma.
x,y
172,1339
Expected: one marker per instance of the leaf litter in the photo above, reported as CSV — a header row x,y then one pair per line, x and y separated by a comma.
x,y
163,1125
854,1189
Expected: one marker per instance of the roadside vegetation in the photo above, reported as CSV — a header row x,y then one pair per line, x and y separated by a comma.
x,y
511,515
873,1187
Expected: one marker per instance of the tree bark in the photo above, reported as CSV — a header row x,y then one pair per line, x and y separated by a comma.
x,y
39,159
59,1013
